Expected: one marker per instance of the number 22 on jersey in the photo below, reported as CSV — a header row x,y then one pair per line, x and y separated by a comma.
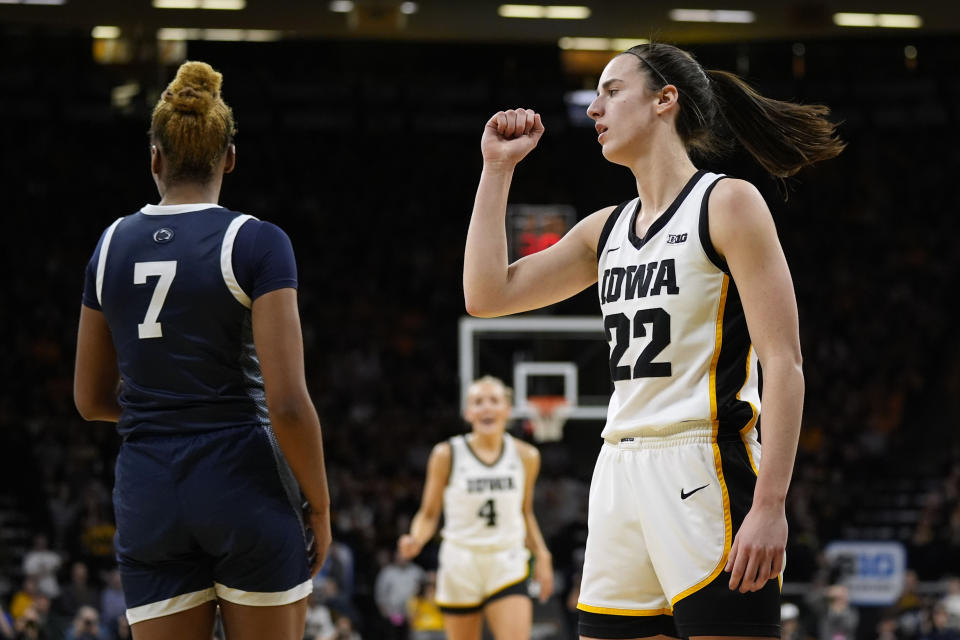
x,y
618,331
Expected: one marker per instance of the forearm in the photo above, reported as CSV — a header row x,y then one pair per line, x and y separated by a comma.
x,y
534,540
105,409
485,261
97,400
783,389
298,432
423,527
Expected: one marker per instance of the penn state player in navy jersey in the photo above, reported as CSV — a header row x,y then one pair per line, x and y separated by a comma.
x,y
190,340
695,291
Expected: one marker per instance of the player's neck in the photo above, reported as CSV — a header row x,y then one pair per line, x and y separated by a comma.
x,y
191,193
487,442
661,174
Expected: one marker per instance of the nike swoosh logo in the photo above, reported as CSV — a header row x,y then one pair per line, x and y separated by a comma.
x,y
684,495
614,249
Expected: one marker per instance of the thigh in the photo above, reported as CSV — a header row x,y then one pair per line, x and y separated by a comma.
x,y
510,617
192,624
243,622
463,626
243,512
460,584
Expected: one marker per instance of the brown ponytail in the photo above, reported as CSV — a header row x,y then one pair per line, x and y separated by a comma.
x,y
192,124
782,136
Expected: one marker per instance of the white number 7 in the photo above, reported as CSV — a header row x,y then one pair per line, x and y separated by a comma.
x,y
167,269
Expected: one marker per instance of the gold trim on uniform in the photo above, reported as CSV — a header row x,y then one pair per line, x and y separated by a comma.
x,y
727,520
624,612
753,420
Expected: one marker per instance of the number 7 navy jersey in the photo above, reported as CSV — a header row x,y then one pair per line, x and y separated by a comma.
x,y
679,347
175,284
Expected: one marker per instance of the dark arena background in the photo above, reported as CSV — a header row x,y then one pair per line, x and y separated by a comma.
x,y
359,130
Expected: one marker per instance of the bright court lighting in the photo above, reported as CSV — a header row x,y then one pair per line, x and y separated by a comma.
x,y
176,34
176,4
549,12
622,44
228,5
884,20
263,35
899,21
105,33
712,15
567,13
599,44
225,35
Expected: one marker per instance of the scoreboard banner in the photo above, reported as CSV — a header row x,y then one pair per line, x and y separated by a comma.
x,y
872,571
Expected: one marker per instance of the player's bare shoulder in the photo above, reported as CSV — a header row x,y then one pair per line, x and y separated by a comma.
x,y
527,452
734,201
587,232
593,224
441,460
738,215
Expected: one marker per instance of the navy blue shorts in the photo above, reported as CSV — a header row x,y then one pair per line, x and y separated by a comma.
x,y
208,516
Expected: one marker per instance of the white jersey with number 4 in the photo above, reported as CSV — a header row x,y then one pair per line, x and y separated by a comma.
x,y
483,503
679,347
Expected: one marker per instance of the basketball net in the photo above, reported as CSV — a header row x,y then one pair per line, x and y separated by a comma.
x,y
547,417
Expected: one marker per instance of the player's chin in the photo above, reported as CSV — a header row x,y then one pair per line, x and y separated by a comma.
x,y
614,154
488,426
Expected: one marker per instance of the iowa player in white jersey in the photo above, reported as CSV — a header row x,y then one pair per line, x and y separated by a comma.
x,y
695,294
483,483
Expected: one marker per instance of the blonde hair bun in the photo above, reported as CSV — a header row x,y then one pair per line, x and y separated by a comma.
x,y
195,89
192,124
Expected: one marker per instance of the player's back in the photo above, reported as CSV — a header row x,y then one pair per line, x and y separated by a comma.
x,y
180,322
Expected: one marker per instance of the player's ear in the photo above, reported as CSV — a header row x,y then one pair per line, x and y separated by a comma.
x,y
156,160
230,159
668,96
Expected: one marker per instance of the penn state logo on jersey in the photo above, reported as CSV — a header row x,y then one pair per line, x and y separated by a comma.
x,y
679,349
163,235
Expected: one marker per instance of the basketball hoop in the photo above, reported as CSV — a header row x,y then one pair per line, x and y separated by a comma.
x,y
547,417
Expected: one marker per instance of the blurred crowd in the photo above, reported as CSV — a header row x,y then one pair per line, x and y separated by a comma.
x,y
368,156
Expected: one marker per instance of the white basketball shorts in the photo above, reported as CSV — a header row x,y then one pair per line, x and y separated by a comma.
x,y
468,579
663,513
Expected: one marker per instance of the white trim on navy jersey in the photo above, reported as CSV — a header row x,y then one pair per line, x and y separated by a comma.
x,y
226,260
102,259
170,606
261,598
174,209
